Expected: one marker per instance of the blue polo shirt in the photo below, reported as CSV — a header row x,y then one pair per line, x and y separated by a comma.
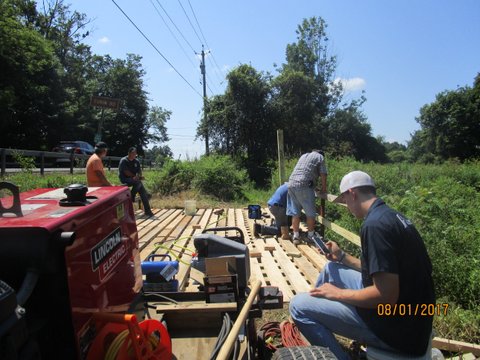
x,y
392,244
279,197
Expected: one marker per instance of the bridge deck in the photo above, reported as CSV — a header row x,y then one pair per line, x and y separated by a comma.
x,y
273,261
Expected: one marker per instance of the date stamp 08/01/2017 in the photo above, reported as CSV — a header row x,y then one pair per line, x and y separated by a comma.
x,y
412,309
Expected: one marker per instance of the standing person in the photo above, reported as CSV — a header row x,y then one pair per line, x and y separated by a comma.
x,y
357,298
301,191
94,169
130,174
277,204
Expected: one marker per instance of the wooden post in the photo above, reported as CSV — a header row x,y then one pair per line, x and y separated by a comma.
x,y
72,159
227,346
42,163
281,157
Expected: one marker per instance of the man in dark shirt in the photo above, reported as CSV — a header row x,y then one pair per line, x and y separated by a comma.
x,y
377,299
130,174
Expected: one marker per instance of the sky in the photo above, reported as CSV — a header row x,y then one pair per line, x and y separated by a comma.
x,y
401,53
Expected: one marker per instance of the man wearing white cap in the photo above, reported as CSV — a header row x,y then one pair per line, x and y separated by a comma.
x,y
357,298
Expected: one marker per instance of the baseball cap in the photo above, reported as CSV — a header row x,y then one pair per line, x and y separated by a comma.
x,y
352,180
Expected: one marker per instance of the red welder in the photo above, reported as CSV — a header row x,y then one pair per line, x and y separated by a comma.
x,y
69,264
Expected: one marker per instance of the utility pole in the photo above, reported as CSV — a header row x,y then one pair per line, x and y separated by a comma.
x,y
205,121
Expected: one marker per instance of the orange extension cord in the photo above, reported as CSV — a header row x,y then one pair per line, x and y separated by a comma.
x,y
284,334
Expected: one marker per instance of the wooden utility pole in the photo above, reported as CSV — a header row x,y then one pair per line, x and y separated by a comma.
x,y
205,121
281,157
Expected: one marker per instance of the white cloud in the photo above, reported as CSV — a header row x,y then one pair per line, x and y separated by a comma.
x,y
352,84
104,40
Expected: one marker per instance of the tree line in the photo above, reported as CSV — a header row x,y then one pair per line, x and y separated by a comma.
x,y
49,76
306,100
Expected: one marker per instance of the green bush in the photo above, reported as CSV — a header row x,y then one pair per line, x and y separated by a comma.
x,y
214,175
218,176
174,177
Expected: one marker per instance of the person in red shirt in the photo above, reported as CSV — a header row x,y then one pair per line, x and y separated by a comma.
x,y
95,172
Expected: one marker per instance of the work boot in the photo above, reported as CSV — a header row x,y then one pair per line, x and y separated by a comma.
x,y
285,234
257,229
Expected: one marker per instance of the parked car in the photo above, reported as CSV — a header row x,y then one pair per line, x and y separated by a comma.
x,y
75,147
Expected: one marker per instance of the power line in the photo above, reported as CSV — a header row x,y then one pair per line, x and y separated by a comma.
x,y
158,51
195,31
198,24
216,67
171,32
176,27
182,136
220,80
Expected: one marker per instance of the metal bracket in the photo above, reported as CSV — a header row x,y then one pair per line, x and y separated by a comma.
x,y
16,207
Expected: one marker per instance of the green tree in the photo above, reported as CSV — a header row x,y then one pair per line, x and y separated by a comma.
x,y
122,79
159,154
29,78
66,29
157,121
450,126
292,100
240,123
307,96
349,134
304,100
305,92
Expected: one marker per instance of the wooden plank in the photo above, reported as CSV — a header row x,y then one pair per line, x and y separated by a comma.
x,y
305,267
354,238
164,235
468,356
255,270
275,276
311,253
256,266
150,231
455,346
184,271
142,221
192,306
296,280
231,221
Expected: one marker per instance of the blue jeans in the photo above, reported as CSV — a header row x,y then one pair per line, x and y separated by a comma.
x,y
137,187
318,318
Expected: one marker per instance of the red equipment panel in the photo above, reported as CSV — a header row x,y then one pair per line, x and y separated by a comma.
x,y
100,262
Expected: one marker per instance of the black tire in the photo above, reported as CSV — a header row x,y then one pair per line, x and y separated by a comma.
x,y
303,353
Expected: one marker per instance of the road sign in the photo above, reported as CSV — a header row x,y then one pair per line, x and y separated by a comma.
x,y
105,102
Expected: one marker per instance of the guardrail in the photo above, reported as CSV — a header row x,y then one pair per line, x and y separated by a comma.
x,y
45,159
